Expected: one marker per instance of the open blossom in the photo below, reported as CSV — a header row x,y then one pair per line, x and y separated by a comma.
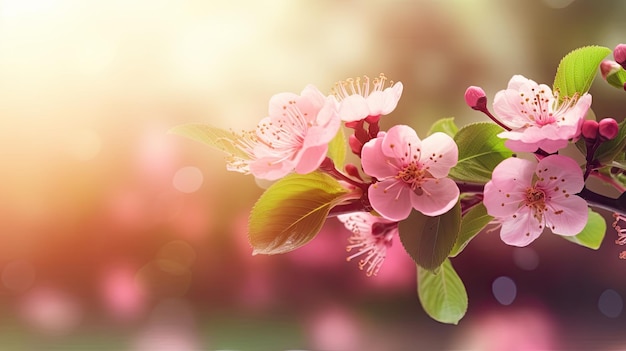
x,y
371,236
294,136
411,173
536,118
527,196
362,98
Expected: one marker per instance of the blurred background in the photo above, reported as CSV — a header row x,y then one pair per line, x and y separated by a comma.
x,y
115,235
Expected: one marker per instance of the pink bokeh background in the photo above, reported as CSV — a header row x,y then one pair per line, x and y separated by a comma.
x,y
115,235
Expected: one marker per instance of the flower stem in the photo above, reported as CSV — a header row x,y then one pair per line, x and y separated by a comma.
x,y
328,166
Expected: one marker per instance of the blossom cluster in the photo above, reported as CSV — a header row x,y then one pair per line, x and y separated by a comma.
x,y
512,175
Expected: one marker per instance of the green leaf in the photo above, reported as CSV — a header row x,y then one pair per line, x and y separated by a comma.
x,y
429,240
217,138
337,149
444,125
292,211
471,224
443,294
617,79
577,70
593,233
480,151
609,150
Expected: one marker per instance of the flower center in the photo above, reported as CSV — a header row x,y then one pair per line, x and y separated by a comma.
x,y
536,200
413,175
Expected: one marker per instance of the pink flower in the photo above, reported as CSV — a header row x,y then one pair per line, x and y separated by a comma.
x,y
357,101
526,197
411,173
535,117
371,236
295,135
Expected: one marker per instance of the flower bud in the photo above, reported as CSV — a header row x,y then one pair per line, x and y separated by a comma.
x,y
476,98
608,128
619,54
355,144
590,129
609,68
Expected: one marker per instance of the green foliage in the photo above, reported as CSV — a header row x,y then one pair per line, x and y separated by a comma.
x,y
593,233
337,149
611,149
429,240
577,70
444,125
471,224
292,211
480,151
617,79
217,138
442,294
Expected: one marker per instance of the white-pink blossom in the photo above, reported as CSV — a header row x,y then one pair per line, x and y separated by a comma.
x,y
410,173
371,236
536,118
527,196
359,99
295,135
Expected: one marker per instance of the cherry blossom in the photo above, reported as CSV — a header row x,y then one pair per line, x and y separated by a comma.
x,y
536,118
371,237
410,173
362,98
527,196
295,135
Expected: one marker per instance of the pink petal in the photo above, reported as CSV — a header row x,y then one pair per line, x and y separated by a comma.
x,y
567,216
518,81
559,175
521,230
402,143
268,168
501,203
279,102
513,174
439,154
384,102
353,108
438,197
328,113
375,163
520,146
311,158
391,199
506,106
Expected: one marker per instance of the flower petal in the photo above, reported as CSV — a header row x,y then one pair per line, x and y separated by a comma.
x,y
513,174
567,216
439,154
311,158
353,108
500,202
375,163
559,175
520,230
391,199
402,143
384,102
438,196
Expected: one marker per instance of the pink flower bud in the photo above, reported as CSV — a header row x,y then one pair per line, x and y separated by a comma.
x,y
590,129
355,144
619,54
609,67
476,98
608,128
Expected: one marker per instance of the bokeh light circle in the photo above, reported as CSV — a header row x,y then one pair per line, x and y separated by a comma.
x,y
504,290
